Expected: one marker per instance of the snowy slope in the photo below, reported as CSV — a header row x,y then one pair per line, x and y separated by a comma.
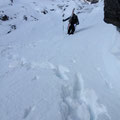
x,y
46,74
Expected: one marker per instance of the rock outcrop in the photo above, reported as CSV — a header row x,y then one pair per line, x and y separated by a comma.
x,y
4,17
93,1
112,12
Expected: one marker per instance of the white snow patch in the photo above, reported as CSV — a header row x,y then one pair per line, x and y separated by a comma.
x,y
61,72
79,103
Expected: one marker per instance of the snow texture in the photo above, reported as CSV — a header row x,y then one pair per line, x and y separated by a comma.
x,y
46,74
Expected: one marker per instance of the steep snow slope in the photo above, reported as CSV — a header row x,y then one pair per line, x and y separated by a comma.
x,y
46,74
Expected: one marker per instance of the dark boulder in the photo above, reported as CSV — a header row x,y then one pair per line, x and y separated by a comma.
x,y
4,18
112,12
25,18
93,1
13,27
44,11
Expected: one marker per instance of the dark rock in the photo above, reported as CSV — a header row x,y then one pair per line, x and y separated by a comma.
x,y
35,19
13,27
34,2
44,11
112,12
1,11
60,6
64,9
8,32
67,6
11,1
4,18
25,18
118,29
93,1
52,9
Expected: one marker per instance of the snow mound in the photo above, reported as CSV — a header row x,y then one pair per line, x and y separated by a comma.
x,y
79,103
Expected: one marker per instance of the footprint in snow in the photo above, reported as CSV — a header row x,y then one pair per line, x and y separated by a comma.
x,y
32,45
36,78
6,52
73,61
61,72
79,103
27,111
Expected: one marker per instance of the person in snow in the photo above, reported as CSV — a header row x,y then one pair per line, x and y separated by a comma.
x,y
73,21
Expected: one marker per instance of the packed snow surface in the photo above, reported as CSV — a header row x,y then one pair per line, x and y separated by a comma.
x,y
46,74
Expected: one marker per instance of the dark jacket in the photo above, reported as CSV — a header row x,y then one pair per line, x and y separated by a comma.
x,y
112,12
72,19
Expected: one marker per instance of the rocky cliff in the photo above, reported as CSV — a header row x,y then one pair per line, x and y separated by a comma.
x,y
112,12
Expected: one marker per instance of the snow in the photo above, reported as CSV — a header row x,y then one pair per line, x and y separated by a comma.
x,y
46,74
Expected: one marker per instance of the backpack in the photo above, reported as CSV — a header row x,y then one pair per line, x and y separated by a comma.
x,y
74,20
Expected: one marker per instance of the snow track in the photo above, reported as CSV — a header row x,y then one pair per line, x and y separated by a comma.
x,y
79,103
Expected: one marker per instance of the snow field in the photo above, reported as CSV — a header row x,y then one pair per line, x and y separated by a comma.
x,y
47,74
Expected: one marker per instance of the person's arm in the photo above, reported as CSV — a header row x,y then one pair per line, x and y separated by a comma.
x,y
66,19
